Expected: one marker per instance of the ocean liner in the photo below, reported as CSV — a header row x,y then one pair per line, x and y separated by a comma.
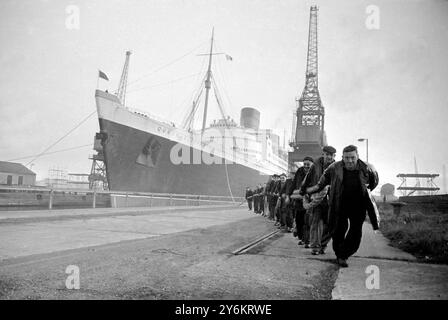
x,y
147,154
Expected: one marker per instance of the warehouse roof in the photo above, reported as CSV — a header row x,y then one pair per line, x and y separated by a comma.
x,y
12,167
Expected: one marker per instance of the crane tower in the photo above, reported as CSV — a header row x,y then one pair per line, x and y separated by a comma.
x,y
308,136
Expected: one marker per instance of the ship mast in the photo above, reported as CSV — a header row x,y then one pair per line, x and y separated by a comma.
x,y
209,80
207,83
121,91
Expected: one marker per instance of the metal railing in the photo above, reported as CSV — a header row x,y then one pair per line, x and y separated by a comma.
x,y
114,195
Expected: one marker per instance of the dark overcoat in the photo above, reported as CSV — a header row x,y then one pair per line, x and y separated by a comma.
x,y
333,176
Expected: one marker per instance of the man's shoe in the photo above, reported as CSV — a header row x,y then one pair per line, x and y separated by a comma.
x,y
300,243
307,246
322,251
314,252
342,263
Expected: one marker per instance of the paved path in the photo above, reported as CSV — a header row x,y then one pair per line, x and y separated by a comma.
x,y
400,276
94,227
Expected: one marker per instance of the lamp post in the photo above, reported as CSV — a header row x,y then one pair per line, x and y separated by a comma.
x,y
367,147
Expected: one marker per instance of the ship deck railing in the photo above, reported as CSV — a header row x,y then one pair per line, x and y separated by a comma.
x,y
49,197
146,114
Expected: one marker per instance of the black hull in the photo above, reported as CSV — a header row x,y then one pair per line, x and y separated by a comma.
x,y
131,167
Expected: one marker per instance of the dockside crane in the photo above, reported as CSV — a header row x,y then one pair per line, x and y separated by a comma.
x,y
308,135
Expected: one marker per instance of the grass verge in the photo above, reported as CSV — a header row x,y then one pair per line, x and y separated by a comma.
x,y
418,231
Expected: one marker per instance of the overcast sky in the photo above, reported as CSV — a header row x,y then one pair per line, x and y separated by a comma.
x,y
388,84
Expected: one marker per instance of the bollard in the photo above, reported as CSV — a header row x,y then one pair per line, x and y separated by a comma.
x,y
50,204
171,200
186,200
126,202
397,207
150,200
94,199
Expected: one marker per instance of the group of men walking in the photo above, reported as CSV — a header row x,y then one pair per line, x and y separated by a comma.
x,y
270,200
323,200
256,196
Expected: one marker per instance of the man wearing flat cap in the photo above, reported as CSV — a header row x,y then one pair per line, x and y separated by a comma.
x,y
272,199
301,218
249,197
278,213
350,181
318,206
286,216
267,191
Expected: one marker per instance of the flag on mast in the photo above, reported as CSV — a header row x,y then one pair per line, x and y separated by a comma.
x,y
229,58
101,74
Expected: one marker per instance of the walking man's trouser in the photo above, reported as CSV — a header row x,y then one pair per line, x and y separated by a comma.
x,y
319,237
261,204
346,243
272,203
306,227
300,220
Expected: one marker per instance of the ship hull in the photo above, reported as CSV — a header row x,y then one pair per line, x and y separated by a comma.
x,y
138,160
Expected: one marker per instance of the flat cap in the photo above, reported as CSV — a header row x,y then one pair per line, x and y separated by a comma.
x,y
329,149
308,158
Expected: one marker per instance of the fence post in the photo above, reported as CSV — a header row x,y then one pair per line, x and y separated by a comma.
x,y
150,200
126,202
50,204
171,199
94,198
114,200
186,200
199,200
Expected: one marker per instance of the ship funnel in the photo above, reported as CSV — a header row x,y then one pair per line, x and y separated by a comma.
x,y
250,118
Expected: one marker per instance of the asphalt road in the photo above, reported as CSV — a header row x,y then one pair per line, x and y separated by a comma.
x,y
180,255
